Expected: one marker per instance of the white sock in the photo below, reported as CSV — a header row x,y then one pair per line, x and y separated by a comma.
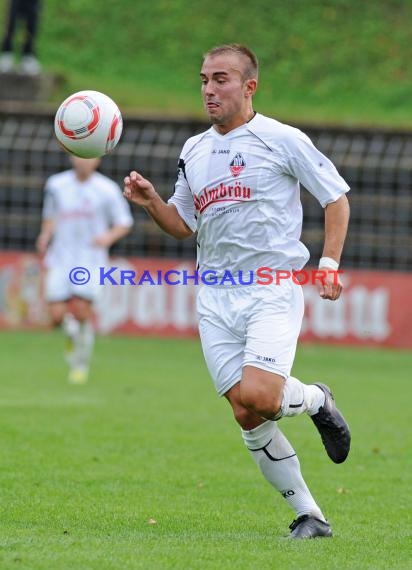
x,y
280,466
70,326
299,398
83,348
71,330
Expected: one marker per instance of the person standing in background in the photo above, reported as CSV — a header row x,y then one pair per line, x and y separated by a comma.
x,y
28,12
84,214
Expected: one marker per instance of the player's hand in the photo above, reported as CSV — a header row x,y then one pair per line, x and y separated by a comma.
x,y
138,190
103,240
331,288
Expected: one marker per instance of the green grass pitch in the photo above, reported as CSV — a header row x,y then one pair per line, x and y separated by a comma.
x,y
144,468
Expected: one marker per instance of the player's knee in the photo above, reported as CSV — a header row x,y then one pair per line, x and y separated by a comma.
x,y
82,310
242,415
56,322
261,401
56,318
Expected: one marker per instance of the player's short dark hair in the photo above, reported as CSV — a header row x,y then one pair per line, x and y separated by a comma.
x,y
251,68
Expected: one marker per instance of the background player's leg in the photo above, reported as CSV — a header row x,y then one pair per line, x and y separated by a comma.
x,y
61,317
84,341
29,63
71,328
57,311
12,16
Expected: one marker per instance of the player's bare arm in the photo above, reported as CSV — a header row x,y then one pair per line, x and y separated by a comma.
x,y
45,235
141,191
336,227
111,236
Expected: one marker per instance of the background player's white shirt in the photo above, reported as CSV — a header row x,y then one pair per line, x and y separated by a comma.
x,y
81,212
241,192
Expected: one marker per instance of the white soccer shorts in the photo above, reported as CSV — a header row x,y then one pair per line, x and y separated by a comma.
x,y
59,287
256,325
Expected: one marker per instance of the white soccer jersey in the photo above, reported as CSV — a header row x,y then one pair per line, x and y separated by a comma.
x,y
241,193
81,212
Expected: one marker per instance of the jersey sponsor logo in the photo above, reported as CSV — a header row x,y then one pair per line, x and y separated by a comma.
x,y
221,193
238,164
77,214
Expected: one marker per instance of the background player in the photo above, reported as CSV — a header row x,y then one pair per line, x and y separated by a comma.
x,y
27,12
84,213
238,187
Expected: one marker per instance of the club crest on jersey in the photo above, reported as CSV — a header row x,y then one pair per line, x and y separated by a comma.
x,y
238,164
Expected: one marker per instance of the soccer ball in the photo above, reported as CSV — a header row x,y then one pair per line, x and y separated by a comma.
x,y
88,124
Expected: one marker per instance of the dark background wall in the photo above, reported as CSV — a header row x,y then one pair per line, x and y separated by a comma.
x,y
377,164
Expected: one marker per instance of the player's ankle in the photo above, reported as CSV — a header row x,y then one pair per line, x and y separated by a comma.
x,y
316,399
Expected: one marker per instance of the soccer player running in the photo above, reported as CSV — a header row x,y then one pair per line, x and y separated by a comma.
x,y
84,213
238,188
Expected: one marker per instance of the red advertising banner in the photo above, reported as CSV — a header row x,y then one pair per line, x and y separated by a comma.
x,y
373,310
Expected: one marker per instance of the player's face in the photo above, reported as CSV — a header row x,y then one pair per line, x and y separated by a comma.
x,y
227,96
84,167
